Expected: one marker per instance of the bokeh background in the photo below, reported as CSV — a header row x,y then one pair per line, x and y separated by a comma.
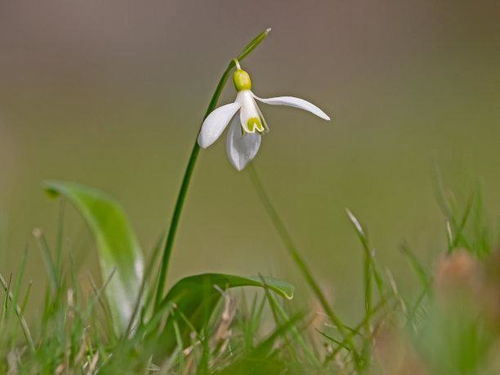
x,y
111,94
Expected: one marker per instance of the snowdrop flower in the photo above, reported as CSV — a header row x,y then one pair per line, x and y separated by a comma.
x,y
244,135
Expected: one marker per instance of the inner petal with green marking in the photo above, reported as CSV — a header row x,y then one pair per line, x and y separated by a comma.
x,y
253,124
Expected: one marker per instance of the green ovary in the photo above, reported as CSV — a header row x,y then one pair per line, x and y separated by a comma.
x,y
242,80
253,124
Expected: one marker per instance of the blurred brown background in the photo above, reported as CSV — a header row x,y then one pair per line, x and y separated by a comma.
x,y
111,94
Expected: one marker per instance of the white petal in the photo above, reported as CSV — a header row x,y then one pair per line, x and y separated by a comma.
x,y
249,109
215,123
241,147
296,103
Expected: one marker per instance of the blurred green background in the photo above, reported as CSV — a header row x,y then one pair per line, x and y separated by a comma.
x,y
111,94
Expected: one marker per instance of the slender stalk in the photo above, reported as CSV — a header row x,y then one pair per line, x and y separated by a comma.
x,y
181,197
299,260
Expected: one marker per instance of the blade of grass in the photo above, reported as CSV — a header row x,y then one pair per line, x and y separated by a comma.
x,y
20,276
459,237
60,233
73,278
415,308
367,265
298,259
356,330
456,223
26,297
370,263
251,317
97,298
181,197
278,318
416,265
265,350
281,316
370,273
482,236
47,257
8,293
19,314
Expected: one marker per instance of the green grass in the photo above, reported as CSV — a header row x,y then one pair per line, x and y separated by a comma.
x,y
446,325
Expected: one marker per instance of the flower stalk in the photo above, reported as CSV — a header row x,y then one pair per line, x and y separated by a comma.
x,y
181,197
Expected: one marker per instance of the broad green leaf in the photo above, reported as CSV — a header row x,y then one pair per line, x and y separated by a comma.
x,y
194,298
119,253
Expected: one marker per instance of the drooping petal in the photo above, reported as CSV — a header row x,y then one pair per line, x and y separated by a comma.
x,y
241,146
292,101
215,123
250,117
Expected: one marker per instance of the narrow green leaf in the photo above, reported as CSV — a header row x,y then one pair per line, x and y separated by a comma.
x,y
254,43
417,266
117,245
48,260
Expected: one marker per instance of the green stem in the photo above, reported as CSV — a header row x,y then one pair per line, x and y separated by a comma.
x,y
286,238
181,197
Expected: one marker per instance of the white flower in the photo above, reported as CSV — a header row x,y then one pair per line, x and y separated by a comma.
x,y
244,135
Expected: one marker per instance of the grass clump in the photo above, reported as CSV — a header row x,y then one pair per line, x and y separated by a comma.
x,y
449,325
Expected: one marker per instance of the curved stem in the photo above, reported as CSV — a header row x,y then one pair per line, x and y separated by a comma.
x,y
181,197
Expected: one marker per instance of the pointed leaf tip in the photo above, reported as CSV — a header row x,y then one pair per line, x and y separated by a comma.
x,y
355,222
52,193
